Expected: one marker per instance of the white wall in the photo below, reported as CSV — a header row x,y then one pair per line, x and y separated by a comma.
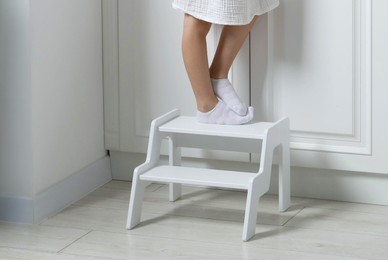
x,y
67,102
15,100
51,106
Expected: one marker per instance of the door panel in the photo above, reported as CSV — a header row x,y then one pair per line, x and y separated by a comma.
x,y
320,70
152,79
319,73
321,63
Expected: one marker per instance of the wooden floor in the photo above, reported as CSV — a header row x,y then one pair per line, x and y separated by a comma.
x,y
204,224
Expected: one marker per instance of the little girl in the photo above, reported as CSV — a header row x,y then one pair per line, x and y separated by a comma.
x,y
217,101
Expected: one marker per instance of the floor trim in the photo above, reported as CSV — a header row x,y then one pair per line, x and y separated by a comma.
x,y
359,187
16,210
49,202
72,189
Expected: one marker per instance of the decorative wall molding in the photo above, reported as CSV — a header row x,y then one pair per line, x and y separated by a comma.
x,y
357,139
110,25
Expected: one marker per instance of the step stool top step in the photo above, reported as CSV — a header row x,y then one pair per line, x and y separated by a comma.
x,y
189,125
199,177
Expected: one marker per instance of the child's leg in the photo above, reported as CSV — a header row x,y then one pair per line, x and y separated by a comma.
x,y
194,50
231,41
196,62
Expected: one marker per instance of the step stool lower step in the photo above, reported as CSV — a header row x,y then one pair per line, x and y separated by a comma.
x,y
199,177
264,138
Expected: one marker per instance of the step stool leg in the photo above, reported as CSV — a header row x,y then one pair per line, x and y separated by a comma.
x,y
175,189
284,178
136,202
250,218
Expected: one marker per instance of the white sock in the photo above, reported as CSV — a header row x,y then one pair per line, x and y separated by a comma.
x,y
225,91
221,114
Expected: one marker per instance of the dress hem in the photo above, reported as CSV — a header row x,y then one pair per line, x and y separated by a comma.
x,y
221,22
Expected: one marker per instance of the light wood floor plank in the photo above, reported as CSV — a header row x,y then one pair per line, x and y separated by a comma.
x,y
203,224
126,246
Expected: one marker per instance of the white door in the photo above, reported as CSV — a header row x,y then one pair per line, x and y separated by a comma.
x,y
319,71
321,63
151,76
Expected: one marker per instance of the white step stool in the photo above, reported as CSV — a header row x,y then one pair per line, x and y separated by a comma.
x,y
263,137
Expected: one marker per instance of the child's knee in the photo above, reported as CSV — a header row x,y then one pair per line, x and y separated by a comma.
x,y
196,25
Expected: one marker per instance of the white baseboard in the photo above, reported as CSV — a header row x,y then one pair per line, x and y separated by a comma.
x,y
16,210
72,189
123,164
57,197
357,187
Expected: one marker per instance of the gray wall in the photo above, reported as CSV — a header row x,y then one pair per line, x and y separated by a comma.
x,y
51,106
15,100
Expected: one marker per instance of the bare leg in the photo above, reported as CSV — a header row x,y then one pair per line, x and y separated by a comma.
x,y
194,50
231,41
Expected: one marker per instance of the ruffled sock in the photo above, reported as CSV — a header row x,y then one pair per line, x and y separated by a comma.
x,y
225,91
222,114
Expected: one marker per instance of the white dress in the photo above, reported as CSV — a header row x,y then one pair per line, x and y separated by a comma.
x,y
226,12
